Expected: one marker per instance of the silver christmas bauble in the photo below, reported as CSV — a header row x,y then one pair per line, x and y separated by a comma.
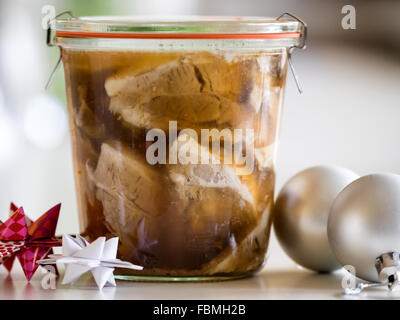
x,y
364,223
301,215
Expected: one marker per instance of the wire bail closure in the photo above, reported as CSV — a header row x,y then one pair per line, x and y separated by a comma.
x,y
302,45
50,44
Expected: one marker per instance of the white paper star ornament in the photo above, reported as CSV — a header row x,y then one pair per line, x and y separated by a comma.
x,y
98,257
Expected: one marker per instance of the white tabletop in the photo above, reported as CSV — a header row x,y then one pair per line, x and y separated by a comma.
x,y
270,283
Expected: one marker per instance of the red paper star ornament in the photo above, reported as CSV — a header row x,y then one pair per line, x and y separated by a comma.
x,y
28,241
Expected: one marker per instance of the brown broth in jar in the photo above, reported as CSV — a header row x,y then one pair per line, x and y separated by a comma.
x,y
173,218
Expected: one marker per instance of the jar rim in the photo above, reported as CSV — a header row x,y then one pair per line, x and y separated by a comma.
x,y
183,27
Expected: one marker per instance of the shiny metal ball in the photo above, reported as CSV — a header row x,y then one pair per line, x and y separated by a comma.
x,y
301,215
364,222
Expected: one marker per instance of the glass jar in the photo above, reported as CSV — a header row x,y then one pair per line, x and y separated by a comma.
x,y
174,127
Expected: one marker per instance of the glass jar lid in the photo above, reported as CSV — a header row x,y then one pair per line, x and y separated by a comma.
x,y
183,27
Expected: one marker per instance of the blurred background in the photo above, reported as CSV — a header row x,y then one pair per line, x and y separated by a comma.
x,y
348,115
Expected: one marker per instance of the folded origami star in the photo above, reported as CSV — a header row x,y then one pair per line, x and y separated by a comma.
x,y
27,240
98,257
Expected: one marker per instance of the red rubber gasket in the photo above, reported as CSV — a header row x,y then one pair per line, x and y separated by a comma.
x,y
115,35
